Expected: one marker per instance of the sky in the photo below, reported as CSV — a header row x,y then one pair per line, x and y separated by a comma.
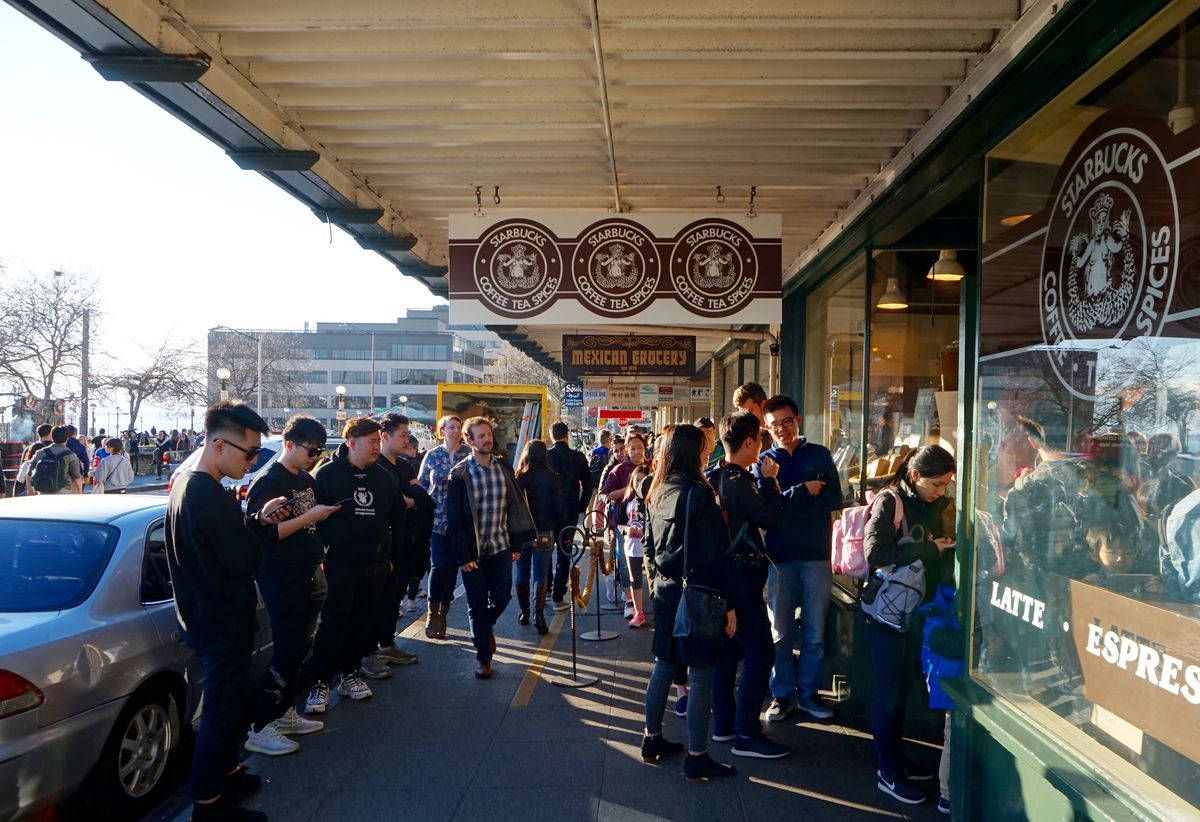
x,y
100,180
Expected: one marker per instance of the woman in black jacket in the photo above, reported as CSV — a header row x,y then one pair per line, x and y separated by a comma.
x,y
680,502
926,534
543,491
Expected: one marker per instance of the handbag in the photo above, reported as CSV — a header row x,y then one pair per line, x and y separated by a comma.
x,y
700,617
544,542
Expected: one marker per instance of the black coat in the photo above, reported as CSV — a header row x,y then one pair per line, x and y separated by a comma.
x,y
574,478
543,492
361,533
921,523
463,532
708,559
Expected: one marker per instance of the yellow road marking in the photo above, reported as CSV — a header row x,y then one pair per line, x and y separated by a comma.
x,y
534,672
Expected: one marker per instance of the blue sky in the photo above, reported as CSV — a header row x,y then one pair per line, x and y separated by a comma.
x,y
100,180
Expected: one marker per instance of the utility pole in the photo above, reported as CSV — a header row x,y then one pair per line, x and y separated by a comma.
x,y
260,404
372,391
83,401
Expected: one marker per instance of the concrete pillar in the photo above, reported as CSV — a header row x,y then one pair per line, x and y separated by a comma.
x,y
716,383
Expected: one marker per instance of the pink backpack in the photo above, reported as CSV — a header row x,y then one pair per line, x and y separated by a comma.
x,y
848,556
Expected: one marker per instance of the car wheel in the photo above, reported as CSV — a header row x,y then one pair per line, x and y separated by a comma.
x,y
138,754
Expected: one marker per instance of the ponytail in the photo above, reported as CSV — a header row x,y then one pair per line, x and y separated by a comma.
x,y
928,461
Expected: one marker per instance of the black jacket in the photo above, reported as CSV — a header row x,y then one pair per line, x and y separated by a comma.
x,y
922,522
543,492
750,504
361,533
463,530
574,478
708,547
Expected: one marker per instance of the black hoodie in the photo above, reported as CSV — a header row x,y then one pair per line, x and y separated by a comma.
x,y
360,533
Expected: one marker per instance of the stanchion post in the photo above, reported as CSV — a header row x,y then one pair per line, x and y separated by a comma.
x,y
574,681
598,635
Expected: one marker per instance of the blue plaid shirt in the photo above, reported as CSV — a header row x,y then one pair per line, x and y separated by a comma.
x,y
489,492
434,477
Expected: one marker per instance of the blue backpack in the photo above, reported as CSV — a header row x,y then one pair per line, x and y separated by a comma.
x,y
942,645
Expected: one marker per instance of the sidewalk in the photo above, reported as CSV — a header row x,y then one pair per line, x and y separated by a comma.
x,y
434,743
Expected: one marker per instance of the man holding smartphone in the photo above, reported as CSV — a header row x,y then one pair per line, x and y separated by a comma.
x,y
800,575
291,581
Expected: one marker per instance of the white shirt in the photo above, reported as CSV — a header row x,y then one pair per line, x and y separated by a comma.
x,y
114,472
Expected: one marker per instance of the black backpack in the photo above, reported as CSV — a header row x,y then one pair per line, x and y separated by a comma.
x,y
596,464
49,472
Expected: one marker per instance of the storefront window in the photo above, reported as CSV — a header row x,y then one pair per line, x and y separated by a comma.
x,y
913,384
1087,423
833,356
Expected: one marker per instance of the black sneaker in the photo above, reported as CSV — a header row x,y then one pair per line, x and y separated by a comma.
x,y
759,747
681,706
702,768
916,773
655,748
723,735
943,805
900,790
225,811
240,784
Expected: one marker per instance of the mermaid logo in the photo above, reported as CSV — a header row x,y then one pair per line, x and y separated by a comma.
x,y
518,268
714,267
1111,251
616,267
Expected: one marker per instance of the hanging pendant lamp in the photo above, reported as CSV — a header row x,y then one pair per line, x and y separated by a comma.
x,y
947,269
892,299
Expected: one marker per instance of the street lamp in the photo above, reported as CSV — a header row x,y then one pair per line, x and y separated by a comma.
x,y
403,404
257,338
223,374
341,395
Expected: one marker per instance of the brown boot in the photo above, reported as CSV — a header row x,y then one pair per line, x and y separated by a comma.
x,y
439,616
483,671
431,620
539,609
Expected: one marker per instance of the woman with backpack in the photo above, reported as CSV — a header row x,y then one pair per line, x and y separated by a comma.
x,y
687,547
114,473
544,494
924,535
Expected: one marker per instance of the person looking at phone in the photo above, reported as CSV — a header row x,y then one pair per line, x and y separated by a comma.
x,y
358,544
800,575
920,483
212,557
291,581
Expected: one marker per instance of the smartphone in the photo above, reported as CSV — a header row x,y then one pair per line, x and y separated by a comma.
x,y
1128,583
287,509
345,501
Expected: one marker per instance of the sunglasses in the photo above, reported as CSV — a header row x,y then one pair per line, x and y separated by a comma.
x,y
312,452
251,453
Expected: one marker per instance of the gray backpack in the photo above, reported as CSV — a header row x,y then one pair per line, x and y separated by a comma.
x,y
892,594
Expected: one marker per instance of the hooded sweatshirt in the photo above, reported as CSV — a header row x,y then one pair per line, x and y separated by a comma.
x,y
360,534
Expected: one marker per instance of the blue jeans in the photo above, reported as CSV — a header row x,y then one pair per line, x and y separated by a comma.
x,y
530,560
489,589
807,585
621,572
225,668
443,569
700,680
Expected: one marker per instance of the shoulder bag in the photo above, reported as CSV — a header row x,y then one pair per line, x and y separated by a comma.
x,y
700,618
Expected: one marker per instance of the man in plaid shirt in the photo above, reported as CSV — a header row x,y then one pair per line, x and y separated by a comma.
x,y
488,522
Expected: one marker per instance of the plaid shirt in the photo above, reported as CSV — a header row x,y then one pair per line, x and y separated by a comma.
x,y
491,500
434,477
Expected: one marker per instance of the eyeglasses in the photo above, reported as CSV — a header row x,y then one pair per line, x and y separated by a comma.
x,y
251,453
786,422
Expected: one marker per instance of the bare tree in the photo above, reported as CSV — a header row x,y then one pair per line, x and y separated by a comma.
x,y
282,357
167,376
514,367
42,339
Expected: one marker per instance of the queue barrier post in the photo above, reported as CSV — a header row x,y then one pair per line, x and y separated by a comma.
x,y
578,549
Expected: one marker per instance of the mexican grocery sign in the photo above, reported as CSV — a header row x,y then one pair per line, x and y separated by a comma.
x,y
568,268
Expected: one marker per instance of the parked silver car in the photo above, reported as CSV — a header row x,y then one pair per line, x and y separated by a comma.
x,y
96,684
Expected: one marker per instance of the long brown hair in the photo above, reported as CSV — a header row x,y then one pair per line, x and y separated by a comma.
x,y
680,454
533,455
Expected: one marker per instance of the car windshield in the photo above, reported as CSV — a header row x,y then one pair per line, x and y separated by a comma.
x,y
264,456
48,565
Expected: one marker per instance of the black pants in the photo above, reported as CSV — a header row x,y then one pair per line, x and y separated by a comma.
x,y
562,557
421,522
294,594
387,604
751,643
892,656
224,660
347,620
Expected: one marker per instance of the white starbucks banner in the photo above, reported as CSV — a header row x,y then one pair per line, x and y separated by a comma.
x,y
560,268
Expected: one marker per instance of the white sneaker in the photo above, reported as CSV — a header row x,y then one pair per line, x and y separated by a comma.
x,y
610,589
353,687
318,699
373,667
629,610
270,742
292,724
562,604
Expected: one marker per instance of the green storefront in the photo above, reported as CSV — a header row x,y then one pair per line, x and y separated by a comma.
x,y
1055,349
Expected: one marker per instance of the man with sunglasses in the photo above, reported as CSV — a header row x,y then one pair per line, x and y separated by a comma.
x,y
212,557
291,581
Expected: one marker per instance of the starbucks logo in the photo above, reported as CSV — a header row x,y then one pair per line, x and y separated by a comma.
x,y
616,267
1111,251
714,267
518,268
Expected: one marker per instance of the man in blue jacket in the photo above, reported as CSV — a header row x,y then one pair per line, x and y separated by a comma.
x,y
800,576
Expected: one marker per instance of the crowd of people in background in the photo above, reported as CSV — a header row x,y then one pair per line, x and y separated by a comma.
x,y
719,534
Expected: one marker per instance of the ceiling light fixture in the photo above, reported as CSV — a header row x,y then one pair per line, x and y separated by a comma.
x,y
892,299
947,269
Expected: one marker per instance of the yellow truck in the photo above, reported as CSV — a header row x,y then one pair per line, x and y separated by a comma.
x,y
520,412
